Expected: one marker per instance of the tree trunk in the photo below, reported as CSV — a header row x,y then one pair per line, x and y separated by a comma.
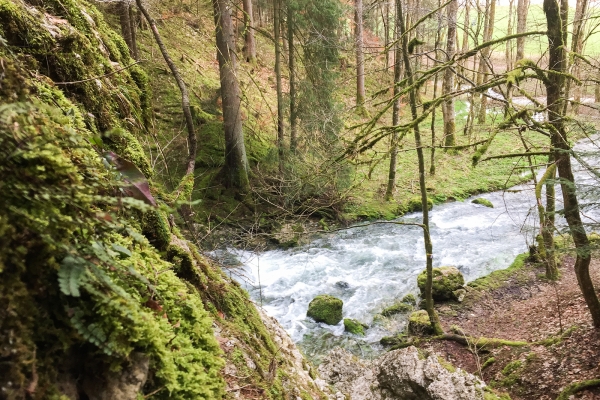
x,y
235,170
555,86
448,85
485,55
522,9
133,28
389,194
386,27
249,42
577,48
433,317
125,20
509,31
438,37
360,60
185,100
280,132
292,68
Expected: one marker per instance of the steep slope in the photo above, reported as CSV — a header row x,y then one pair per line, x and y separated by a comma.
x,y
100,296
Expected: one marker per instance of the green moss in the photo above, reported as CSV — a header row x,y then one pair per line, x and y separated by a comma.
x,y
419,324
325,308
415,204
396,309
488,362
577,387
409,299
511,367
447,365
483,202
355,327
446,280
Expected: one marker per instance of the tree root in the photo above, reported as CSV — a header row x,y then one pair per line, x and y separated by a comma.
x,y
577,387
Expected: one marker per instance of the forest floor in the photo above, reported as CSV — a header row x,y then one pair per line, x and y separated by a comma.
x,y
528,308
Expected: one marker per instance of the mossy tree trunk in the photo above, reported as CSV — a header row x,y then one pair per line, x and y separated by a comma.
x,y
433,317
235,170
555,91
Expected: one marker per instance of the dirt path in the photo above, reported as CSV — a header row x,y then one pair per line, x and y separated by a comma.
x,y
527,308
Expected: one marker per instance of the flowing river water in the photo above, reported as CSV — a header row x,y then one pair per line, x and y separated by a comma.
x,y
371,267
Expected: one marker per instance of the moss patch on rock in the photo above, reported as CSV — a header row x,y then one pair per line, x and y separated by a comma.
x,y
325,308
396,308
483,202
446,280
354,326
419,324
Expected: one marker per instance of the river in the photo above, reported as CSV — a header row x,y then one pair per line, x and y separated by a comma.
x,y
371,267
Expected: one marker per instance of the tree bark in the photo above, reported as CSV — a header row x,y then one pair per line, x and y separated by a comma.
x,y
280,132
292,68
576,48
133,28
433,317
485,55
391,185
125,20
235,170
522,8
448,85
555,87
360,59
249,42
185,99
509,43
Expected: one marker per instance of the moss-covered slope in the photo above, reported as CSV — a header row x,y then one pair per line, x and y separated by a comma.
x,y
85,298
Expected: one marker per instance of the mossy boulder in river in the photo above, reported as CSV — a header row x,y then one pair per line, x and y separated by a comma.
x,y
396,308
354,326
325,308
419,324
483,202
446,280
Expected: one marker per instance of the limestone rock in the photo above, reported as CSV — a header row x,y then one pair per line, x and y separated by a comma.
x,y
446,280
406,376
398,375
325,308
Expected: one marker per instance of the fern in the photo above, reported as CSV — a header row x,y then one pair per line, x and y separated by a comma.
x,y
71,275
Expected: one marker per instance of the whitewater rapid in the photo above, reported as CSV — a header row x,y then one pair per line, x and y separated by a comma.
x,y
371,267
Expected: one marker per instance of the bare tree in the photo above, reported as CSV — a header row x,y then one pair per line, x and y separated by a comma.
x,y
360,58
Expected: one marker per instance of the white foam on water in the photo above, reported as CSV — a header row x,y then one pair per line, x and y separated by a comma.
x,y
371,267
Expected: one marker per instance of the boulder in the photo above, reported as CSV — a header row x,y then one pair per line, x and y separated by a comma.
x,y
354,326
483,202
402,374
325,308
408,375
419,324
446,280
409,299
396,308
